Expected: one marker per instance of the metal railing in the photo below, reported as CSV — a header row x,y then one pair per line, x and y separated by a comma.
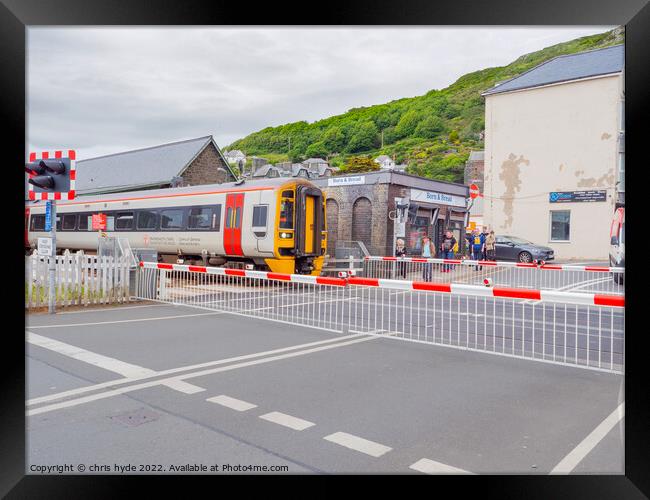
x,y
561,277
577,329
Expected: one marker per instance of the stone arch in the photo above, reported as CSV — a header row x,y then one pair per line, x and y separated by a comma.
x,y
332,209
362,221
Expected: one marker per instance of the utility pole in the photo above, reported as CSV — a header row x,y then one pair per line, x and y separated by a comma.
x,y
382,139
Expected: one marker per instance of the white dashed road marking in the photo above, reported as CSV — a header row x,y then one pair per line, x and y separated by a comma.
x,y
358,444
294,423
232,403
432,467
180,386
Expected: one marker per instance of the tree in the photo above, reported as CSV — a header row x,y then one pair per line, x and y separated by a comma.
x,y
430,127
333,139
359,164
363,138
316,149
407,123
453,136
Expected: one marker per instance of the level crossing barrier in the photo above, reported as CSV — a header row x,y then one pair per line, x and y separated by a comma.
x,y
542,276
569,328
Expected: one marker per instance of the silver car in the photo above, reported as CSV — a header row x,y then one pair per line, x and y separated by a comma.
x,y
521,250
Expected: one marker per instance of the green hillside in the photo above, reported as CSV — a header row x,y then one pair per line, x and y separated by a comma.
x,y
432,133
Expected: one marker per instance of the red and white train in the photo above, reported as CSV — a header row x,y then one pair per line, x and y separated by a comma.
x,y
274,224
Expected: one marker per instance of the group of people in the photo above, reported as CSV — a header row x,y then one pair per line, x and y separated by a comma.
x,y
482,246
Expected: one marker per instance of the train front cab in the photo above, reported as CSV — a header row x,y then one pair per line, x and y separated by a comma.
x,y
301,236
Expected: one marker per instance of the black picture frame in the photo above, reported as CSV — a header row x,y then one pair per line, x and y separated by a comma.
x,y
17,15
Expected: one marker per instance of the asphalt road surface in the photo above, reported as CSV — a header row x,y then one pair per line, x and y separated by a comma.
x,y
159,389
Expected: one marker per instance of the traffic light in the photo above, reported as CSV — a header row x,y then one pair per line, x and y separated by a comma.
x,y
51,178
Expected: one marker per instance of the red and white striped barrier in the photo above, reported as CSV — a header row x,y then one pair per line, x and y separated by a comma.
x,y
243,273
499,263
594,299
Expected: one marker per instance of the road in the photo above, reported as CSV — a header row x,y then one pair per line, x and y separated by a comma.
x,y
153,385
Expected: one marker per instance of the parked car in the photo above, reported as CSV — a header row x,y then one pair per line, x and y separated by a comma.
x,y
521,250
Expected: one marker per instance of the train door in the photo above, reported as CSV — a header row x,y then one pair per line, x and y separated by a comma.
x,y
233,223
308,220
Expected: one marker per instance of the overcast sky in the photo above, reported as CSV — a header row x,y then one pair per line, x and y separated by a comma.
x,y
106,90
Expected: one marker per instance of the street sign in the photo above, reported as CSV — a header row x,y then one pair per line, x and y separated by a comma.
x,y
48,216
577,196
99,222
474,191
45,247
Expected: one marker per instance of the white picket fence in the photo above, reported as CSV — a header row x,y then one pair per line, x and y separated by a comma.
x,y
80,280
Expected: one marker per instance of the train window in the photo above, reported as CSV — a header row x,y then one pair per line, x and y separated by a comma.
x,y
69,222
287,194
147,219
200,218
171,219
38,223
229,217
124,221
110,222
259,215
84,222
238,217
286,214
58,223
216,218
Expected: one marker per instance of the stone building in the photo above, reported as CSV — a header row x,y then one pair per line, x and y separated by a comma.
x,y
554,153
364,208
183,163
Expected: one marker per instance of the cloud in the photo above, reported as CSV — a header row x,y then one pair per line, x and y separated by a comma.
x,y
104,90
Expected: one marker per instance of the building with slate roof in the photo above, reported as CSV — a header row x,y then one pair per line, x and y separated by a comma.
x,y
554,153
183,163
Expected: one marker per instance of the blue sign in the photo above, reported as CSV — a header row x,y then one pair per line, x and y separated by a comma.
x,y
48,216
577,196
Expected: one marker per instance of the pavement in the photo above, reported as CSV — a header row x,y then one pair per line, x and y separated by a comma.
x,y
153,388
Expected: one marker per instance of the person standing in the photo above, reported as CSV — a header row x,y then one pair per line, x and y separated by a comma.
x,y
477,242
428,252
447,248
490,246
400,253
486,233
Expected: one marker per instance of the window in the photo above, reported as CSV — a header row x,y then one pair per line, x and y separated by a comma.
x,y
259,215
147,220
560,225
58,223
85,222
38,223
110,222
229,217
69,222
287,194
216,218
200,218
171,219
124,221
286,214
238,217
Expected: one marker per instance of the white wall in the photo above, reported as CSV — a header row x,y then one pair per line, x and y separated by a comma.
x,y
555,138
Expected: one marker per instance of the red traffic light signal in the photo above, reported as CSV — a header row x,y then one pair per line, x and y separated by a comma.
x,y
52,178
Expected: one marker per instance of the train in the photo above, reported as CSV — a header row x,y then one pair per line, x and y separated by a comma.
x,y
277,225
